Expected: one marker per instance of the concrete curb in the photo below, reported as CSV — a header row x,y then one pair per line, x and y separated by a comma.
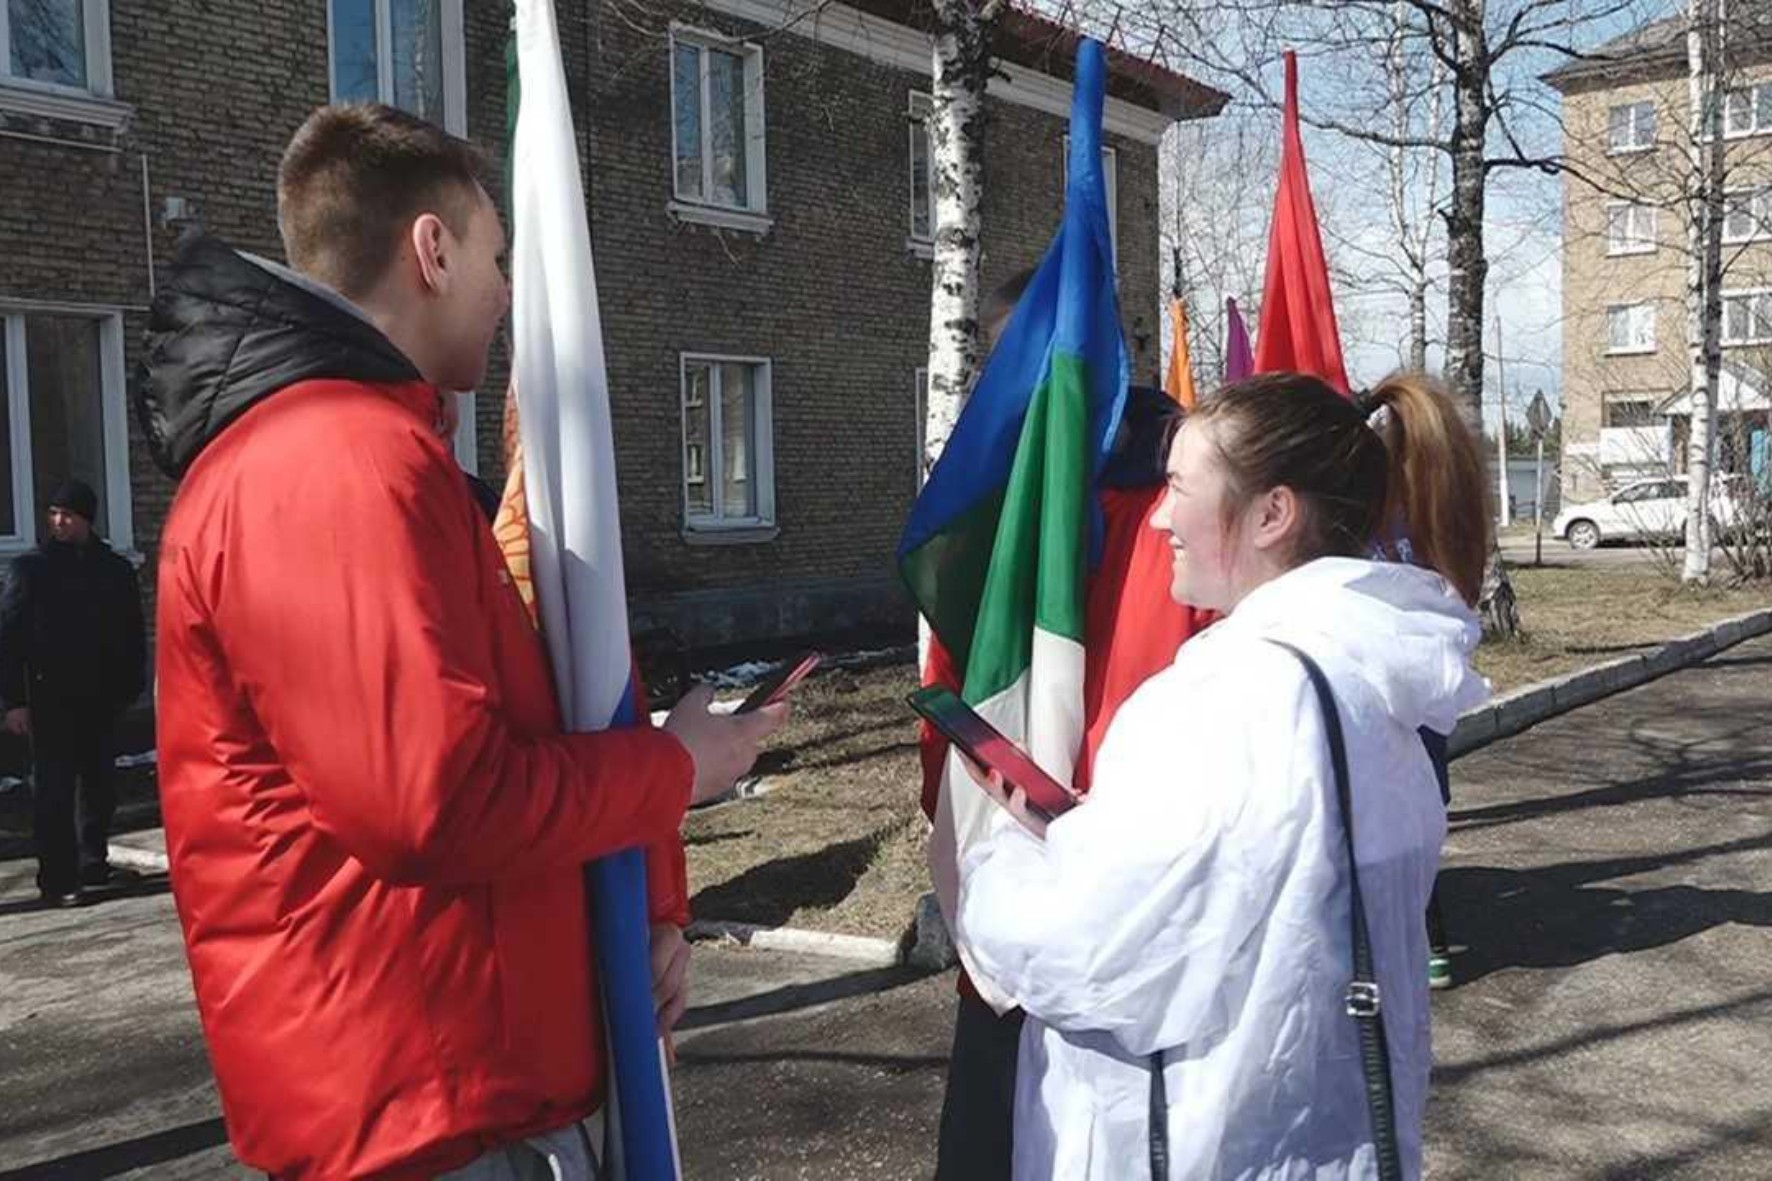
x,y
1504,717
1524,708
877,953
152,861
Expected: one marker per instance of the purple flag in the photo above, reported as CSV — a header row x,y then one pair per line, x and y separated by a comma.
x,y
1239,358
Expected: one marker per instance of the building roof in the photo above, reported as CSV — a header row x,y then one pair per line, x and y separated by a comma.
x,y
1031,38
1657,51
1027,37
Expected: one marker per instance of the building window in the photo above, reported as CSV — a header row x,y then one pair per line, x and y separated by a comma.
x,y
1627,412
1110,176
405,53
61,44
728,448
1748,111
62,416
1630,328
1747,215
922,169
920,383
717,122
1630,229
1747,317
1630,127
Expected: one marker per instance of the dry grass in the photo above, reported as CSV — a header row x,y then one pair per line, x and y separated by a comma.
x,y
1574,617
837,843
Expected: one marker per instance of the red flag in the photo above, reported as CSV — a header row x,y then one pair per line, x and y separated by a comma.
x,y
1297,331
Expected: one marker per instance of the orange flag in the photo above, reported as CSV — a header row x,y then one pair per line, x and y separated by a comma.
x,y
511,526
1178,382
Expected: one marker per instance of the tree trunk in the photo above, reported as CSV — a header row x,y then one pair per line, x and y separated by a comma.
x,y
956,150
1467,265
1418,321
1704,295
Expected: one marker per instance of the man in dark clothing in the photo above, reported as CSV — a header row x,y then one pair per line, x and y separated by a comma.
x,y
73,656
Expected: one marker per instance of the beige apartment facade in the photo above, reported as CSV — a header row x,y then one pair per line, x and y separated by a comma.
x,y
1626,262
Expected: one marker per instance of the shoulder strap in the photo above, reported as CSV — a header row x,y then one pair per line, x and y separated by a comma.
x,y
1363,1002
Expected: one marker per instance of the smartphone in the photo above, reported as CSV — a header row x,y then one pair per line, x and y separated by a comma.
x,y
780,683
987,747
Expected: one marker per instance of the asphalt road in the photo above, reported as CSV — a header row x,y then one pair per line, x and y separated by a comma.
x,y
1609,877
1519,552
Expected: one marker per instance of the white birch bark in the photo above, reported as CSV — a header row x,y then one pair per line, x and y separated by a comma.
x,y
962,66
1704,298
956,152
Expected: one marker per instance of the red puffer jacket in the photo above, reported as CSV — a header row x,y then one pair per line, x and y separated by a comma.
x,y
376,827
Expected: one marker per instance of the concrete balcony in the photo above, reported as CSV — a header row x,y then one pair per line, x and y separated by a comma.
x,y
1636,445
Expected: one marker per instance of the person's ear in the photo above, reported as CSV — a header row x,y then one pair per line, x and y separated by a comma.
x,y
433,249
1275,518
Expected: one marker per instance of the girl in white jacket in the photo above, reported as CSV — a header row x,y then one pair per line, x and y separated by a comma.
x,y
1197,903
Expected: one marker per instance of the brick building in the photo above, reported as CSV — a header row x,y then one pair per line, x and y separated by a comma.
x,y
757,182
1627,122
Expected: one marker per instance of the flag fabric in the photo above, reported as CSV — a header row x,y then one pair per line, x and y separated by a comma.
x,y
996,549
1239,360
573,536
1178,380
1297,332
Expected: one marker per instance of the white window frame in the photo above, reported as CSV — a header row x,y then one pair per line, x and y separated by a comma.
x,y
920,403
455,84
114,411
763,439
1758,203
1645,309
1750,294
1618,248
753,215
466,442
1631,146
1110,176
918,112
96,16
1754,127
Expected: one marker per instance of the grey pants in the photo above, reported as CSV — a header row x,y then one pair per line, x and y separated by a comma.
x,y
564,1154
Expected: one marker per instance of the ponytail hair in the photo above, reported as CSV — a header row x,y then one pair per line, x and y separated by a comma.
x,y
1399,461
1435,491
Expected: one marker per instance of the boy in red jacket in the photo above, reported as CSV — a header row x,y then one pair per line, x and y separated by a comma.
x,y
375,823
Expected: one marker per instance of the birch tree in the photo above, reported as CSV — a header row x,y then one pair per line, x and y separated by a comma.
x,y
1704,294
961,71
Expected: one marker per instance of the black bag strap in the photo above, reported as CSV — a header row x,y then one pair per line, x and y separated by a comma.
x,y
1159,1120
1363,1001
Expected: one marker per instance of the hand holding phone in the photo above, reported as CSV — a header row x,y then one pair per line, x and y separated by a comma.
x,y
982,743
780,683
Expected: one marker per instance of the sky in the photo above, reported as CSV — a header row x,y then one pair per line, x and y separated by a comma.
x,y
1221,174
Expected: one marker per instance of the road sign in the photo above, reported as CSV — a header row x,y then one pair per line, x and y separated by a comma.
x,y
1538,415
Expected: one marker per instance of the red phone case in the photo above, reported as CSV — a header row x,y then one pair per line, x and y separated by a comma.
x,y
987,747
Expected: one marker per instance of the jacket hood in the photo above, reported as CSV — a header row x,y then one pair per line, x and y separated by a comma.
x,y
1401,629
227,331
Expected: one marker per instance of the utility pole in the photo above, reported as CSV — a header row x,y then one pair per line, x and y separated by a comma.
x,y
1538,418
1501,497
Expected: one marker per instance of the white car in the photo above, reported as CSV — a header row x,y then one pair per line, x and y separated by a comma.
x,y
1648,510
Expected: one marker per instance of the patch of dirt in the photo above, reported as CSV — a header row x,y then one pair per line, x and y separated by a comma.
x,y
837,842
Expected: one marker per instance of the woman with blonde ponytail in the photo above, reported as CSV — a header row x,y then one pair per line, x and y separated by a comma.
x,y
1187,944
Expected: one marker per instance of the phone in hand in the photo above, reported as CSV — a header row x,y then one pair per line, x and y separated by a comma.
x,y
985,745
780,683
